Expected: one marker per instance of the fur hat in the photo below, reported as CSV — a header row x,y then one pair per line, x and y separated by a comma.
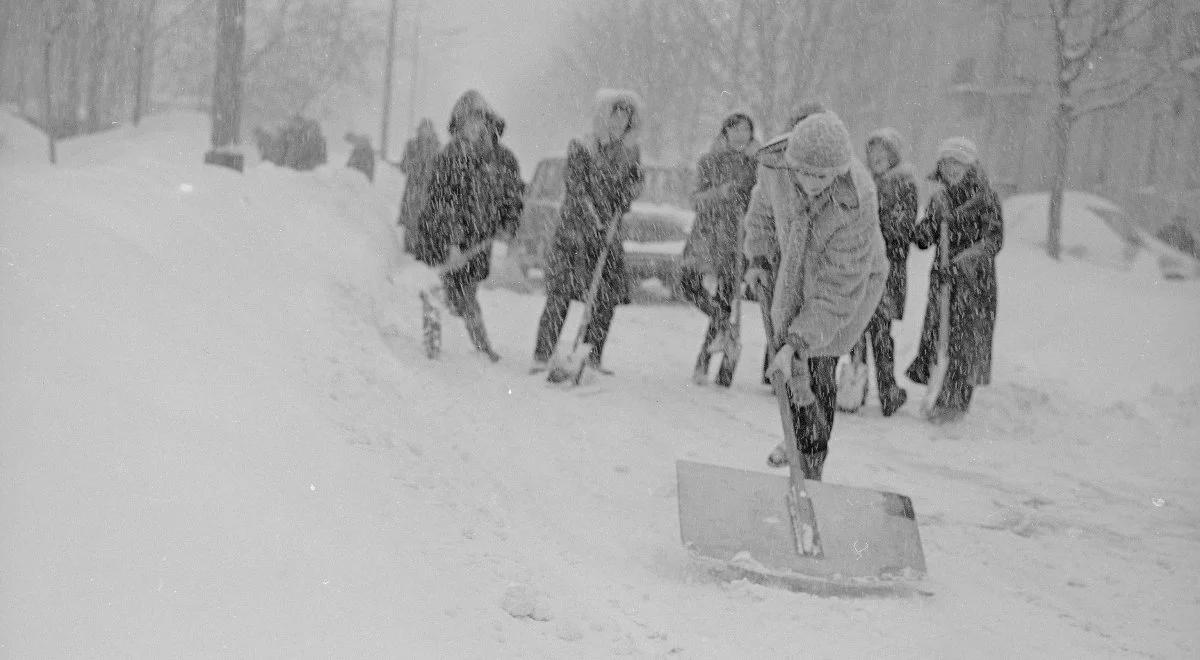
x,y
820,144
958,149
609,100
889,138
471,103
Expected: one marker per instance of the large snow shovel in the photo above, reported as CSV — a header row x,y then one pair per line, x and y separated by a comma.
x,y
804,535
570,367
432,297
937,375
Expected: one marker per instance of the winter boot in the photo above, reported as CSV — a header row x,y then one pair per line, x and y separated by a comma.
x,y
813,465
479,338
942,415
700,372
893,403
593,363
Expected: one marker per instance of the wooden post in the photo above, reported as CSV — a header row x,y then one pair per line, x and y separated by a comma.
x,y
416,59
227,85
387,82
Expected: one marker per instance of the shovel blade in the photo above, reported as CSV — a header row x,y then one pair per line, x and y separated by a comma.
x,y
744,517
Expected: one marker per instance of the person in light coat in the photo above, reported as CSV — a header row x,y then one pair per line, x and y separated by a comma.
x,y
813,239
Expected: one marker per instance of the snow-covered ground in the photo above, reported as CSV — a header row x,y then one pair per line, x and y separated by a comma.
x,y
219,437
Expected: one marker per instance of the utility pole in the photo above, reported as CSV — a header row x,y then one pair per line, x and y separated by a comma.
x,y
416,57
387,82
227,85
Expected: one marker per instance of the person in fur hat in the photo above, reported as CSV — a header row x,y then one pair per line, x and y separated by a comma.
x,y
475,195
972,213
812,236
602,177
724,178
898,200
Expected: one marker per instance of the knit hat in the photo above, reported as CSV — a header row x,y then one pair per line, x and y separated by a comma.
x,y
820,144
958,149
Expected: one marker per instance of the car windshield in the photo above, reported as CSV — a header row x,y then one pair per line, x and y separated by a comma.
x,y
670,186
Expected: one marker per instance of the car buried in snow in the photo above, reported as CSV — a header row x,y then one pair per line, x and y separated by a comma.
x,y
653,231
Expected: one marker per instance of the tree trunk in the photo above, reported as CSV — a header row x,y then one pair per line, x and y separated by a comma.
x,y
97,56
47,110
227,85
143,51
1061,143
71,57
735,84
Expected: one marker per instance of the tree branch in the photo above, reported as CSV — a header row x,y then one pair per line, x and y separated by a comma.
x,y
1116,102
278,31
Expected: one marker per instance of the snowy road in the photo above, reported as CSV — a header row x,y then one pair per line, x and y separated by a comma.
x,y
220,438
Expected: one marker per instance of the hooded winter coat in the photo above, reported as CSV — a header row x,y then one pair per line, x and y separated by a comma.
x,y
475,193
417,166
713,244
827,254
898,202
601,179
976,225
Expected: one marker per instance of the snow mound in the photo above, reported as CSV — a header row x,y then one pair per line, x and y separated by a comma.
x,y
21,143
1086,236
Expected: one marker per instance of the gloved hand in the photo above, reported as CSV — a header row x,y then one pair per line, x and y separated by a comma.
x,y
781,364
797,377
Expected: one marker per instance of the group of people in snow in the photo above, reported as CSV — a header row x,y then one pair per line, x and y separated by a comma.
x,y
801,220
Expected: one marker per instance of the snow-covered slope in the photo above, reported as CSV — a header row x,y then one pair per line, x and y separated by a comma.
x,y
219,437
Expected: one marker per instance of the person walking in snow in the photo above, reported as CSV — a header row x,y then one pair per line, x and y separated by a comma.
x,y
898,200
417,165
475,195
971,211
724,178
813,238
602,177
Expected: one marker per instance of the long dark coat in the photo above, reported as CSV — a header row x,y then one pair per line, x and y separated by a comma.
x,y
713,244
976,227
610,176
475,193
898,201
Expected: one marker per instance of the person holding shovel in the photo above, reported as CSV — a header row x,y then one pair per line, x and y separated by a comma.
x,y
602,177
725,176
475,195
965,260
813,243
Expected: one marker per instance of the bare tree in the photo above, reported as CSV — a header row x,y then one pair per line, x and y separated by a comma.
x,y
143,58
1096,69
